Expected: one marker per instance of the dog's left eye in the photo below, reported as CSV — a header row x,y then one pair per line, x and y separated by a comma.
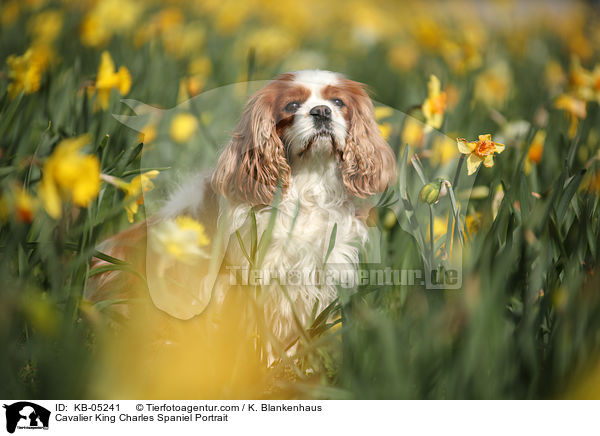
x,y
292,107
338,102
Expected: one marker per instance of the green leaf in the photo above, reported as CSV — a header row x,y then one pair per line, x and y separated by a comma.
x,y
332,239
568,193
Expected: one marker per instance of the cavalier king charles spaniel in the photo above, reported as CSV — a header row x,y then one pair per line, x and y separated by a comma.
x,y
302,162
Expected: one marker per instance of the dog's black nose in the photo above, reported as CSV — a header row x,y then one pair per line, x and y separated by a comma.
x,y
321,111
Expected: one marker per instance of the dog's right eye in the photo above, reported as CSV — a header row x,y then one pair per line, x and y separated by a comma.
x,y
292,107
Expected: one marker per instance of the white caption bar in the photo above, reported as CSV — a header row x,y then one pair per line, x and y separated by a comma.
x,y
297,417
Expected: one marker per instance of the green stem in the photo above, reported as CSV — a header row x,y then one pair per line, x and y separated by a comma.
x,y
458,168
431,232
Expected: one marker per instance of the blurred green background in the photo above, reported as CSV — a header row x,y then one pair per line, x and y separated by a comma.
x,y
526,323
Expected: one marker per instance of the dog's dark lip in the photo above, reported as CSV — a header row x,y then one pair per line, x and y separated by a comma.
x,y
322,133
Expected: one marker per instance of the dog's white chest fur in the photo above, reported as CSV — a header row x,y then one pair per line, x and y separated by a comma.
x,y
294,267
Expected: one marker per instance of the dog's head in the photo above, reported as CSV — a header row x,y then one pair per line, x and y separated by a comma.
x,y
298,117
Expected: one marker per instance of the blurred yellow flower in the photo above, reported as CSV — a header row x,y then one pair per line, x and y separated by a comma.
x,y
428,32
461,56
479,151
9,12
181,239
20,202
69,175
231,15
46,26
440,228
134,191
536,149
383,112
162,22
25,205
493,85
271,44
93,32
108,78
403,56
183,127
434,105
108,17
385,129
591,183
443,150
580,45
147,134
555,76
580,80
413,133
26,71
182,41
473,222
574,108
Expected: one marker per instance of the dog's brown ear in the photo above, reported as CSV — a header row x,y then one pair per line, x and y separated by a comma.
x,y
254,161
368,163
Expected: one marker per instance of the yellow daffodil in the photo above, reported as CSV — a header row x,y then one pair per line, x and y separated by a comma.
x,y
183,41
26,71
580,80
183,127
591,182
383,112
443,150
434,105
385,129
181,239
440,228
148,133
46,26
109,17
413,133
493,85
574,108
20,203
25,205
134,191
534,155
71,175
479,151
9,12
272,44
403,56
473,222
555,76
108,78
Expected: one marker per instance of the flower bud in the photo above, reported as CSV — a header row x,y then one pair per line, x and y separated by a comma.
x,y
430,192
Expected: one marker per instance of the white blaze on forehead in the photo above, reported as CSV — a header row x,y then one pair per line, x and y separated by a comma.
x,y
315,80
303,129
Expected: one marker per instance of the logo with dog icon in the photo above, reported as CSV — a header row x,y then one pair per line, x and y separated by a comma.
x,y
26,415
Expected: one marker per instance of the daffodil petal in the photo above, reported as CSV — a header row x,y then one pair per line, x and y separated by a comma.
x,y
488,161
499,148
473,163
464,146
50,198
